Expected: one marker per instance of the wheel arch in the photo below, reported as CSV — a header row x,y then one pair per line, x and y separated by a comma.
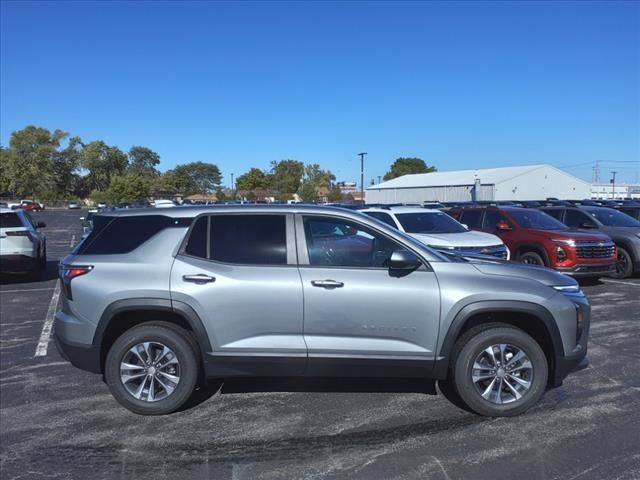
x,y
533,247
534,319
122,315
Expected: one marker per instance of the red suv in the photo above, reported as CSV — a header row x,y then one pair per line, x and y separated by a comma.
x,y
539,239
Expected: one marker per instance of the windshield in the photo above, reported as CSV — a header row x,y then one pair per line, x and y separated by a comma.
x,y
536,220
429,222
612,218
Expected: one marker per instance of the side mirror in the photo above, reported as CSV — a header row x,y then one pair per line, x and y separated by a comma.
x,y
503,227
588,225
466,227
41,225
404,260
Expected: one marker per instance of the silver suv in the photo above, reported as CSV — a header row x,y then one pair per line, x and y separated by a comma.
x,y
157,300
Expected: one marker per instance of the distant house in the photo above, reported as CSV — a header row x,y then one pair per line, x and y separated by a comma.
x,y
199,197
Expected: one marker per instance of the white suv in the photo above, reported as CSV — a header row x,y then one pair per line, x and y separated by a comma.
x,y
439,230
23,249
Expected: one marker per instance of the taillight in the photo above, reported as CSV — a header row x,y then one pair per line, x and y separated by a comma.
x,y
68,273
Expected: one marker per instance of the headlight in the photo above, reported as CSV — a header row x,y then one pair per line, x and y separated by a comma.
x,y
561,255
567,288
570,243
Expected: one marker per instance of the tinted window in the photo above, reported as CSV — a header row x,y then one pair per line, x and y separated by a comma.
x,y
10,220
249,239
493,218
340,243
197,243
613,218
117,235
383,217
536,220
576,219
557,214
429,222
472,218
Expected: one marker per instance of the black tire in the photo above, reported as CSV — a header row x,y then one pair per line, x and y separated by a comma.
x,y
531,258
624,264
472,344
176,339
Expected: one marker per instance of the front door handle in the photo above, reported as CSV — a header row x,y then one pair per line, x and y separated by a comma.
x,y
199,278
327,283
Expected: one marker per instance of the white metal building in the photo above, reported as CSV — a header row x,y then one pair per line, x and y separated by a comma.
x,y
530,182
619,190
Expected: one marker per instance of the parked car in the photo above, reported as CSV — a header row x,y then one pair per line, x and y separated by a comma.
x,y
536,238
154,299
631,210
102,205
23,248
27,205
73,205
623,229
439,230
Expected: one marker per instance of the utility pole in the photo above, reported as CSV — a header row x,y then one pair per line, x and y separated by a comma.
x,y
232,182
613,184
379,177
362,154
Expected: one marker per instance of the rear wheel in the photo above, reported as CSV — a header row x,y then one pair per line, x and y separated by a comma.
x,y
499,370
531,258
624,264
152,369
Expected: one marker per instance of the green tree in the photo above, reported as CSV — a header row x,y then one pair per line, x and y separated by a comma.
x,y
143,160
335,195
318,177
194,177
28,163
307,192
254,179
65,166
129,187
407,166
286,176
102,163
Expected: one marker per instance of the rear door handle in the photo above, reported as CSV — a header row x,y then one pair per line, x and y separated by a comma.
x,y
199,278
327,283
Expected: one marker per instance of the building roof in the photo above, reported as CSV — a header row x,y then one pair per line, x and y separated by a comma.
x,y
487,176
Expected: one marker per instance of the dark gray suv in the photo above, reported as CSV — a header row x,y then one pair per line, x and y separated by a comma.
x,y
157,301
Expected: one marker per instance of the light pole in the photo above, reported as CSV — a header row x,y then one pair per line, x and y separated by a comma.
x,y
232,182
362,154
379,177
613,185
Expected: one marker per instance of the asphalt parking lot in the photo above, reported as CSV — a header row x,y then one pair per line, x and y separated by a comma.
x,y
60,422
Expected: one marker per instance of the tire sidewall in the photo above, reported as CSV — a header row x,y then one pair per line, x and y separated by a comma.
x,y
172,339
473,347
629,270
539,260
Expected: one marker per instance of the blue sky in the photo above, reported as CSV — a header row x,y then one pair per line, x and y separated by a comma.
x,y
461,85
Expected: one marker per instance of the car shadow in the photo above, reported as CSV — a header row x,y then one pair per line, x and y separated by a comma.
x,y
49,273
307,385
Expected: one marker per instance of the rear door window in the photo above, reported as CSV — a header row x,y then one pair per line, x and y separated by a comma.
x,y
472,218
248,239
493,218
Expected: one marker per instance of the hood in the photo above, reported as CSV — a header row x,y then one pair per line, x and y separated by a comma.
x,y
577,235
462,239
620,231
544,275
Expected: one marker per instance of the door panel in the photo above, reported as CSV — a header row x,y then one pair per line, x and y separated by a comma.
x,y
354,306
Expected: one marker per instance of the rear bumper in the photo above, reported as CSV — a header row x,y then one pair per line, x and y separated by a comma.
x,y
18,263
84,357
588,269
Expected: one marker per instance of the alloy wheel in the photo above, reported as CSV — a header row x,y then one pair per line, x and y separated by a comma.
x,y
150,371
502,373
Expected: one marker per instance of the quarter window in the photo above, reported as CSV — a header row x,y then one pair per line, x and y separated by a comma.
x,y
383,217
341,243
197,243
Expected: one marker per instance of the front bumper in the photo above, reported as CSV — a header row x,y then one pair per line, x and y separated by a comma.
x,y
588,269
566,366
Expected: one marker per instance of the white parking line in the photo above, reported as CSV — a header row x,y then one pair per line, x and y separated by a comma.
x,y
43,343
73,240
28,290
606,280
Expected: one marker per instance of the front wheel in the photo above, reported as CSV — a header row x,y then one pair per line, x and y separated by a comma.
x,y
499,370
531,258
624,264
152,369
